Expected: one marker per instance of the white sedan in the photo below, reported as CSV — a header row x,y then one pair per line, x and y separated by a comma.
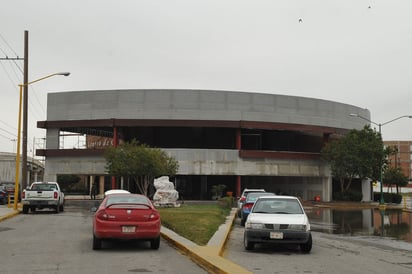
x,y
278,220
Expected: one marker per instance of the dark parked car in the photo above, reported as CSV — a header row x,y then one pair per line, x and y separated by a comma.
x,y
3,196
248,204
242,198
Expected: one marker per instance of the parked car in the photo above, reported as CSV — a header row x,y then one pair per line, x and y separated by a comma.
x,y
278,220
43,195
115,191
3,196
126,216
249,202
8,187
243,197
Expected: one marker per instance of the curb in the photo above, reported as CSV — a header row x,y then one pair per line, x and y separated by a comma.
x,y
14,213
209,257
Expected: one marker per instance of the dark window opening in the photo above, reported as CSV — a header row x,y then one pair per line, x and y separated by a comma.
x,y
181,137
276,140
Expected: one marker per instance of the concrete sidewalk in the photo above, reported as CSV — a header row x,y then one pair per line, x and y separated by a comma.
x,y
208,257
8,212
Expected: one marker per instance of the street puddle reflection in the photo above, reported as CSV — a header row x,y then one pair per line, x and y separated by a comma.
x,y
393,223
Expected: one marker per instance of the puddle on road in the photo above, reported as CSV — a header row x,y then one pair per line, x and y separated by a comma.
x,y
394,224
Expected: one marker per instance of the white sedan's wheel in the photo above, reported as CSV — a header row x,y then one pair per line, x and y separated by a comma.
x,y
248,245
307,247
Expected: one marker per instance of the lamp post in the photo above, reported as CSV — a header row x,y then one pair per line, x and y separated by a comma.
x,y
16,186
381,201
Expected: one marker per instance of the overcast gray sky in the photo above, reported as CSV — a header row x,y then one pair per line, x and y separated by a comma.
x,y
357,52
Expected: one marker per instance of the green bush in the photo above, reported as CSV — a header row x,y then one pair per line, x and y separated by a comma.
x,y
388,197
352,196
227,202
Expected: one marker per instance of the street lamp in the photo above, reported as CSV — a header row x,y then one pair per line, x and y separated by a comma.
x,y
381,201
16,186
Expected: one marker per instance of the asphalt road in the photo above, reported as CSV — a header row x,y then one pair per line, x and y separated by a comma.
x,y
46,242
330,254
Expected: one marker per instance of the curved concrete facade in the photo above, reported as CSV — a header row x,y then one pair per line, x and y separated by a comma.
x,y
202,105
266,120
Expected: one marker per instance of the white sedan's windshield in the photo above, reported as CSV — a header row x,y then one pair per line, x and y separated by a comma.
x,y
278,206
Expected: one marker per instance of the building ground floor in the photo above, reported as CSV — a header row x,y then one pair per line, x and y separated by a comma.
x,y
200,187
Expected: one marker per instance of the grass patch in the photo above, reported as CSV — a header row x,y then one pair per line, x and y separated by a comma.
x,y
197,223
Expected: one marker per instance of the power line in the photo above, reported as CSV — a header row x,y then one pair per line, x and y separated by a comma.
x,y
8,125
4,40
11,58
8,132
4,136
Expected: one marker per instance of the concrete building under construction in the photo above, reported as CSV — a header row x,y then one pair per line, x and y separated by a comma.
x,y
239,139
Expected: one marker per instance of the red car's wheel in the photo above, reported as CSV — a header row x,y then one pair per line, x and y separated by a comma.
x,y
155,243
97,243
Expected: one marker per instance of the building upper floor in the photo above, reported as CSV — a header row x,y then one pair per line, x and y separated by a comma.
x,y
205,119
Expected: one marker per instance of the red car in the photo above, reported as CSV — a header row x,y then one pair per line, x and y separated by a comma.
x,y
126,217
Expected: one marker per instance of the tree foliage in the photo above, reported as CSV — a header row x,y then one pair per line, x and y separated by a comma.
x,y
68,179
394,176
359,154
139,162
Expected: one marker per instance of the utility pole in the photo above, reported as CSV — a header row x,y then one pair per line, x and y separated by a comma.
x,y
25,80
25,107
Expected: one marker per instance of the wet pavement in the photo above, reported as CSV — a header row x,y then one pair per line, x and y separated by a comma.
x,y
351,219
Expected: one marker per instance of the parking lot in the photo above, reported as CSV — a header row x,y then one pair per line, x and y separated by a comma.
x,y
330,254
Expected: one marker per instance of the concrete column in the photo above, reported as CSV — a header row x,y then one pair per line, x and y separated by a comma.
x,y
366,190
53,138
203,187
238,186
101,185
327,189
91,181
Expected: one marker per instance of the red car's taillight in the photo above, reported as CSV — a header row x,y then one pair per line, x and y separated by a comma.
x,y
154,216
55,195
247,206
102,215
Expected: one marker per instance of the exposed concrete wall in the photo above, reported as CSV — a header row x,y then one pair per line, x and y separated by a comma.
x,y
53,138
8,167
202,105
199,162
314,181
80,166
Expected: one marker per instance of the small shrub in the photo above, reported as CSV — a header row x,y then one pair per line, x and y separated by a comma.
x,y
217,191
388,197
352,196
227,202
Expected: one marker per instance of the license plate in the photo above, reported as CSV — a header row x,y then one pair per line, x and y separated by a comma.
x,y
276,235
128,229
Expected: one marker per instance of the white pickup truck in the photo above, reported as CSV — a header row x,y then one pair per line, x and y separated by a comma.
x,y
42,195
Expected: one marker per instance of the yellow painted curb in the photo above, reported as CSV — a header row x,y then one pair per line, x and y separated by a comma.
x,y
14,213
207,257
